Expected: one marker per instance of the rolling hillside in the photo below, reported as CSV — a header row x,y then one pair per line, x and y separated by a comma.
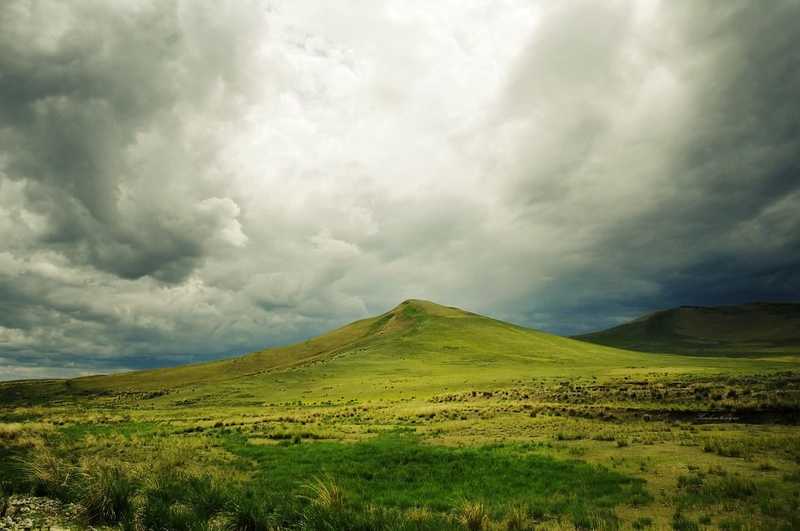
x,y
415,331
417,349
757,329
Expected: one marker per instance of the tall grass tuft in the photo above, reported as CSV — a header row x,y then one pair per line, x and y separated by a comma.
x,y
249,513
473,516
206,496
518,519
327,508
49,475
419,515
325,493
105,493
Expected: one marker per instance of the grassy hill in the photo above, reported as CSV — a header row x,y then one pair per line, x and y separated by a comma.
x,y
416,348
415,338
757,329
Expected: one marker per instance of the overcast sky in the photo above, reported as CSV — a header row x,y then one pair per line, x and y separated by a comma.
x,y
181,180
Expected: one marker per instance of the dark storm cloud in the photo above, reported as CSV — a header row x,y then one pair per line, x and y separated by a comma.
x,y
737,175
717,219
182,180
73,106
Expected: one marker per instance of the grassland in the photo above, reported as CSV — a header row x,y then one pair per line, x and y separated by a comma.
x,y
425,417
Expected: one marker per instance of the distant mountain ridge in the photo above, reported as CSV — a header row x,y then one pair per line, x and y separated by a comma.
x,y
753,329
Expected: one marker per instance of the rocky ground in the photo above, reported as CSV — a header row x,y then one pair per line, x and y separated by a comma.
x,y
20,513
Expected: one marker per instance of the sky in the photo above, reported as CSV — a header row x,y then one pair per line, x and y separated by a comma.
x,y
186,180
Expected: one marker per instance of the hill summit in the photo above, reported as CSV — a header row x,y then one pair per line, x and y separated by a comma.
x,y
416,336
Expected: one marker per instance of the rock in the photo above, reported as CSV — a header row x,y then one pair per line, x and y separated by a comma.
x,y
32,512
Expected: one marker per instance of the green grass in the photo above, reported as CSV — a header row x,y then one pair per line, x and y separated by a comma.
x,y
750,495
380,483
400,472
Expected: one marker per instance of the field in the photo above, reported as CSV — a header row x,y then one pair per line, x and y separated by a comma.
x,y
426,417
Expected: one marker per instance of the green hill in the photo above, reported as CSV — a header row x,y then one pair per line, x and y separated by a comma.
x,y
418,348
414,332
757,329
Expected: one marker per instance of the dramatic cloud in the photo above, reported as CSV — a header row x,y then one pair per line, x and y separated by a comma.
x,y
181,180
